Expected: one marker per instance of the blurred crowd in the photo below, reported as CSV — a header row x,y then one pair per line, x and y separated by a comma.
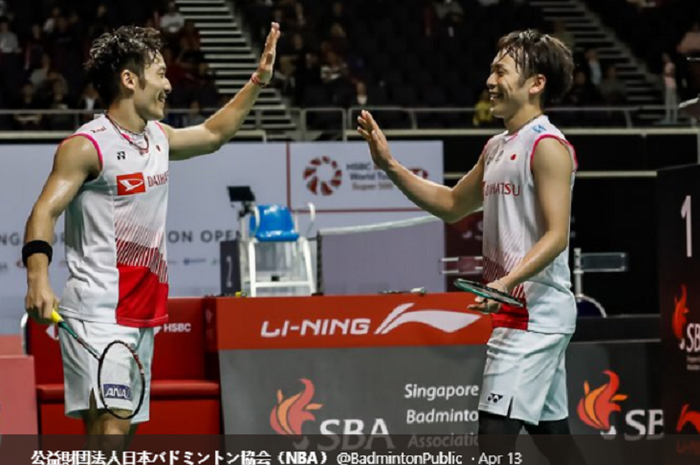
x,y
44,43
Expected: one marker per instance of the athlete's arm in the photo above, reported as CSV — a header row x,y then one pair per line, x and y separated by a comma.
x,y
449,204
75,160
551,169
217,130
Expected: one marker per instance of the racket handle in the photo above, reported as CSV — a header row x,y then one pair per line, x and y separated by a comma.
x,y
56,318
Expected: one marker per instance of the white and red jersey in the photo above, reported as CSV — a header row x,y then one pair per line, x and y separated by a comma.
x,y
513,224
115,231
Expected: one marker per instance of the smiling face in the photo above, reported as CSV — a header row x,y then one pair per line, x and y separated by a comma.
x,y
151,90
508,89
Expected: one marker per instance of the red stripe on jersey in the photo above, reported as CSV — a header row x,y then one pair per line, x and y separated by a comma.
x,y
94,142
563,141
143,299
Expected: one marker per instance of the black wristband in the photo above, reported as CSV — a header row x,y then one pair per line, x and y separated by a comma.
x,y
32,247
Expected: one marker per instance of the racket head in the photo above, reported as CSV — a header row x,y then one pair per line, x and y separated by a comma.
x,y
121,380
487,292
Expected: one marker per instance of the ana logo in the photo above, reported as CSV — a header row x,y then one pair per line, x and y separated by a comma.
x,y
290,414
596,406
688,417
323,176
117,391
129,184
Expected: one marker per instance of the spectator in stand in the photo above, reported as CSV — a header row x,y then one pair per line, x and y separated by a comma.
x,y
688,47
89,100
583,92
174,71
172,21
284,79
194,116
28,101
35,49
41,74
612,89
190,31
45,92
563,34
308,73
338,40
8,39
482,110
334,70
593,67
101,24
670,89
205,91
450,17
50,23
60,101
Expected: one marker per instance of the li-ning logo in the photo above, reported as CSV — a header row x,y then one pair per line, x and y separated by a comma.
x,y
445,320
289,414
323,176
121,155
129,184
117,391
688,417
596,406
680,319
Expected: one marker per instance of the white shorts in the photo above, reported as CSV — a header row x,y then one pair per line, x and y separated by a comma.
x,y
80,368
525,376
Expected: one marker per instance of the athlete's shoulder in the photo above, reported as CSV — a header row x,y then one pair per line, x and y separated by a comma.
x,y
93,128
545,127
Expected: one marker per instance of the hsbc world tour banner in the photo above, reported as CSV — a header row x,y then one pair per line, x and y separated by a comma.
x,y
337,177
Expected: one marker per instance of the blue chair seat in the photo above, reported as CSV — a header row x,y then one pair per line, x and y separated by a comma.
x,y
276,224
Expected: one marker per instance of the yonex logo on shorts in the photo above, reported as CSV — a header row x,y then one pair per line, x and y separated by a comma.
x,y
117,391
494,398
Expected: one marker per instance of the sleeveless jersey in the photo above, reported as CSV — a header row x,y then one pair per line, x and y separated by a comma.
x,y
513,224
115,233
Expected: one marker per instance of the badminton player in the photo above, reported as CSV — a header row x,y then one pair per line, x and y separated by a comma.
x,y
111,179
523,180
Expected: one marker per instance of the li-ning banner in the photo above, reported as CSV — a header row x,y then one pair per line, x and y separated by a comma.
x,y
401,365
200,214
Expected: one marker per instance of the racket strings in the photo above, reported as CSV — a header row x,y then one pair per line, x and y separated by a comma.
x,y
120,381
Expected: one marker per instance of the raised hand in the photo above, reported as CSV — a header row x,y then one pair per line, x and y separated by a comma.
x,y
378,146
267,60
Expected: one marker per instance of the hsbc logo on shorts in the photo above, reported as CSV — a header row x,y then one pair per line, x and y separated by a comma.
x,y
129,184
448,321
